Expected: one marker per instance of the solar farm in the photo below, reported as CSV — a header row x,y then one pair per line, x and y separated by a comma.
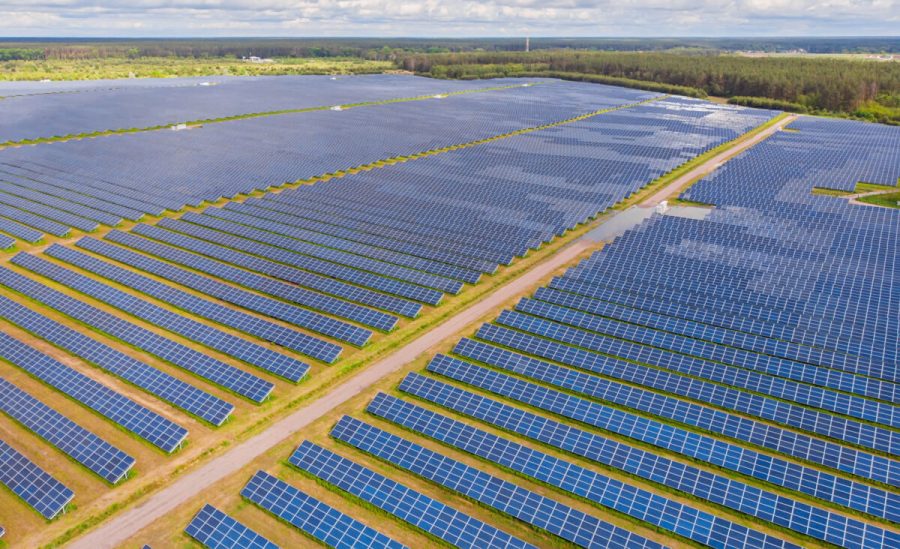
x,y
189,266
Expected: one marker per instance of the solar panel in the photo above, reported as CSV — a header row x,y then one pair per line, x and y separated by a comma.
x,y
801,418
270,307
216,530
317,519
251,353
276,288
656,432
540,511
307,263
171,389
283,272
351,260
45,494
239,320
694,481
641,504
88,449
422,511
405,257
140,420
234,379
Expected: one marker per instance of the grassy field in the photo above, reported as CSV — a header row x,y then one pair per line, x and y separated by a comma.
x,y
162,67
886,200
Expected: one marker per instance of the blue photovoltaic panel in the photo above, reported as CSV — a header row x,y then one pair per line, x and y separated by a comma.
x,y
19,230
165,386
699,526
145,423
719,489
825,486
228,316
307,263
66,206
322,324
542,512
283,272
275,288
653,347
83,446
45,225
216,530
315,221
406,259
349,259
60,217
801,418
252,353
38,489
426,513
226,375
75,197
319,520
661,433
789,390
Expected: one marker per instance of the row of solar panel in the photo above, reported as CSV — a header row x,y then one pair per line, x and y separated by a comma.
x,y
747,379
798,516
798,417
236,380
788,443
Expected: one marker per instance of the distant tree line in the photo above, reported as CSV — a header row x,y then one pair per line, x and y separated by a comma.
x,y
389,48
21,54
810,84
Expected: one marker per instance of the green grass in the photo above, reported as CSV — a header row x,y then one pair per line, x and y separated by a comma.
x,y
167,67
886,200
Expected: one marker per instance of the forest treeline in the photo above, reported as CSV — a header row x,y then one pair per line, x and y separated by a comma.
x,y
867,89
388,48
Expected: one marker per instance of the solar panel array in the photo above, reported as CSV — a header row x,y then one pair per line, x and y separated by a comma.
x,y
83,446
155,381
729,381
127,178
413,507
216,530
601,490
59,108
36,487
746,360
310,515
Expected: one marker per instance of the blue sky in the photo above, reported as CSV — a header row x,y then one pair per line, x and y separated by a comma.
x,y
448,18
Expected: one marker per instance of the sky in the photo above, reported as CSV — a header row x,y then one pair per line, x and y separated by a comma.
x,y
448,18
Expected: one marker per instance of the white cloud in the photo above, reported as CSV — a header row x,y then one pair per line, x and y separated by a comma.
x,y
449,18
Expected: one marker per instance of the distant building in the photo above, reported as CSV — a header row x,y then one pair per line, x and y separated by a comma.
x,y
255,59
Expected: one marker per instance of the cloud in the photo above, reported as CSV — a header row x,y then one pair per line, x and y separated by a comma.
x,y
448,18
